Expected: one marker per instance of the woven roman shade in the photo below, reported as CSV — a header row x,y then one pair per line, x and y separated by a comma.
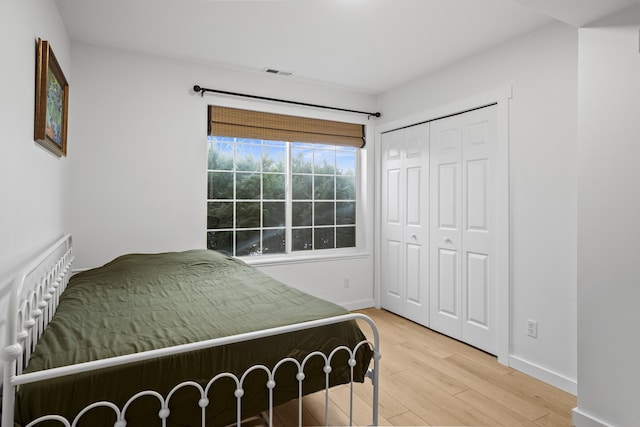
x,y
238,123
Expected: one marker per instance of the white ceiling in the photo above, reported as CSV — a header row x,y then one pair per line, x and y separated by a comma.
x,y
365,45
578,12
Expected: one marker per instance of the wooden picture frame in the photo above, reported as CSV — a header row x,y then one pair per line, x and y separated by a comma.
x,y
51,101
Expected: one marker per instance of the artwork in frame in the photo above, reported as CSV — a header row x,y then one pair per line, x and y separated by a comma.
x,y
52,99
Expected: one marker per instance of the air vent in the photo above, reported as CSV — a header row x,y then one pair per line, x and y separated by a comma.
x,y
274,71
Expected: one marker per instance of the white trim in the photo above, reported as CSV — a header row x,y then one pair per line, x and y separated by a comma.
x,y
581,419
553,378
500,96
288,259
358,305
503,231
377,223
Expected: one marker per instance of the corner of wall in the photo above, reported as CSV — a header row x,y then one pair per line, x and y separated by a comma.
x,y
555,379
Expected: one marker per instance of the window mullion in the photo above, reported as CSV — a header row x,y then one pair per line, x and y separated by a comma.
x,y
288,201
235,192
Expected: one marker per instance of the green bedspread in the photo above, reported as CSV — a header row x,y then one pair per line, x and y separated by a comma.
x,y
142,302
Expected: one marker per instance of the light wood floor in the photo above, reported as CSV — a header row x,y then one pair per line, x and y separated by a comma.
x,y
427,379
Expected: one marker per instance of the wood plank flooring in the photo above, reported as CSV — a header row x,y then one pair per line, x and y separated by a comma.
x,y
428,379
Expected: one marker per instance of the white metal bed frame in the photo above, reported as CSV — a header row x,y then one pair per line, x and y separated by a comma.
x,y
35,293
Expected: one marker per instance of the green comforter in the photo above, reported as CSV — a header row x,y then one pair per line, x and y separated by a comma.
x,y
142,302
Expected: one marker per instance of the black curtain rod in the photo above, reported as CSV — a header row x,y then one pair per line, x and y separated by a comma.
x,y
202,90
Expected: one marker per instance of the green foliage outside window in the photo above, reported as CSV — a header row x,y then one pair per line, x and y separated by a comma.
x,y
247,196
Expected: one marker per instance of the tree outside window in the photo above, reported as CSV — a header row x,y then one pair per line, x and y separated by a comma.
x,y
275,197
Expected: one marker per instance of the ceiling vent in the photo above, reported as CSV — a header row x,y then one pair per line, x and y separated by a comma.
x,y
274,71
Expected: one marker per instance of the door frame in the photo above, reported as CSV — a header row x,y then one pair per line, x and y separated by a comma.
x,y
501,98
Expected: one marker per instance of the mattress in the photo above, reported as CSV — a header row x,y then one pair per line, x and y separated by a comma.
x,y
142,302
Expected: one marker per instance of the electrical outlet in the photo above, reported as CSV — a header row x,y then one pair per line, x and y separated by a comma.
x,y
347,282
532,328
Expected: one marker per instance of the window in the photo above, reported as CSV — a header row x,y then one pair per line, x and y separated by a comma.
x,y
277,197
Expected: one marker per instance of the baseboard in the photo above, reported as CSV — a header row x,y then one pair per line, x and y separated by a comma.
x,y
359,305
580,419
550,377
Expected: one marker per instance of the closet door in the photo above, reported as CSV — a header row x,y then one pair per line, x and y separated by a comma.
x,y
405,224
478,235
392,224
463,291
446,227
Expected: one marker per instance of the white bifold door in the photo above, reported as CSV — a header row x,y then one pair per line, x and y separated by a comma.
x,y
462,241
438,230
405,223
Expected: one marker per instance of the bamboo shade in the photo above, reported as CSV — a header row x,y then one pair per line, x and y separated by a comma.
x,y
234,122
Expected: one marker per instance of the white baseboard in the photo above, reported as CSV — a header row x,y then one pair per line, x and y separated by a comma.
x,y
359,305
580,419
550,377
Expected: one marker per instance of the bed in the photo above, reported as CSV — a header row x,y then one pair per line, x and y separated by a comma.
x,y
185,338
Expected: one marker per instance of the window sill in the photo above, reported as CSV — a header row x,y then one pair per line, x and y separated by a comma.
x,y
267,260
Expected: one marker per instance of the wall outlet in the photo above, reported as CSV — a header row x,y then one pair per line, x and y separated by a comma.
x,y
532,328
347,282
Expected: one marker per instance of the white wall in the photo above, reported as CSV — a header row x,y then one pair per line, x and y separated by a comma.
x,y
138,137
608,227
33,182
542,69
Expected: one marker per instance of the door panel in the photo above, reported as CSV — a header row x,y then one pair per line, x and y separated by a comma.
x,y
393,196
393,268
414,285
477,193
462,152
405,184
479,244
477,289
445,233
447,181
391,295
414,196
447,285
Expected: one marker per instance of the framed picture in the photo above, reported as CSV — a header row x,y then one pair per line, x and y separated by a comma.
x,y
52,99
